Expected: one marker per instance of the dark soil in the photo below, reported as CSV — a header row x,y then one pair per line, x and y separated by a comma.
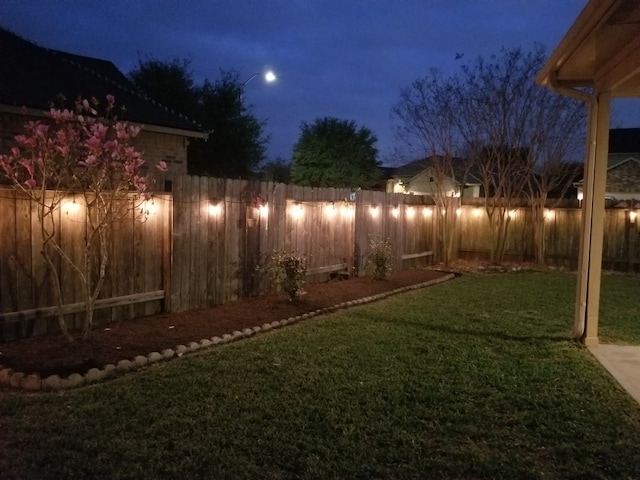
x,y
52,354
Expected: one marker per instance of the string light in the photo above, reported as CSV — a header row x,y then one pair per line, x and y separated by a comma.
x,y
395,212
216,209
149,208
427,212
263,209
297,212
71,207
373,210
411,212
330,210
348,210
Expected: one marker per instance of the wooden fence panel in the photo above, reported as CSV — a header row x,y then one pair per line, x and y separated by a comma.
x,y
614,247
204,243
562,236
122,265
8,290
27,296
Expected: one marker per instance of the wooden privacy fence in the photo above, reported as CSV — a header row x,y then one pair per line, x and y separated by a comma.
x,y
223,231
562,227
202,245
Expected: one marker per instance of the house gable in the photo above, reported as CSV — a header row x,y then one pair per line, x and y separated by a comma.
x,y
419,178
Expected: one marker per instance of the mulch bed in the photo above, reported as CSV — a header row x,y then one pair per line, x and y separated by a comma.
x,y
53,355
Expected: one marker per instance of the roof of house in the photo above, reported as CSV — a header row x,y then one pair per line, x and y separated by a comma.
x,y
409,170
624,140
37,78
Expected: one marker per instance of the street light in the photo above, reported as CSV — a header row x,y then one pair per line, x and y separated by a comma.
x,y
269,77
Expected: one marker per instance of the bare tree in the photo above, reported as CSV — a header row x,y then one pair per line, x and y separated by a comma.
x,y
515,133
516,137
560,135
426,115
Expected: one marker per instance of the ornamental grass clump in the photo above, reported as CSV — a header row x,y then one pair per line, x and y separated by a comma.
x,y
379,258
288,270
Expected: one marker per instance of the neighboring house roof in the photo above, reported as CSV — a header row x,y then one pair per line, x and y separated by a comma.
x,y
35,77
624,140
621,141
412,169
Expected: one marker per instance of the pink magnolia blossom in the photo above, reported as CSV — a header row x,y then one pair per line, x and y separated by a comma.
x,y
62,150
134,130
5,163
77,149
95,144
91,161
61,115
28,166
162,166
111,145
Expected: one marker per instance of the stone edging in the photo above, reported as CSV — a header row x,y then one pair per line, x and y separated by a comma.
x,y
34,383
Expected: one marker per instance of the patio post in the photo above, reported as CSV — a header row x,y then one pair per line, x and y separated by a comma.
x,y
585,325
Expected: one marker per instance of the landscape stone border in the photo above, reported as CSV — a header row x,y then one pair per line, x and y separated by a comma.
x,y
34,383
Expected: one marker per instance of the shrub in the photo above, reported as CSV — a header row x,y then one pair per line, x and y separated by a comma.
x,y
379,258
288,270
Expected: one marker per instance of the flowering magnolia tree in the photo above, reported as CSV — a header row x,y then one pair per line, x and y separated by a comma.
x,y
82,155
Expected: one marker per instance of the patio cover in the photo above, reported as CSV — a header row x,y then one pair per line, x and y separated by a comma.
x,y
598,59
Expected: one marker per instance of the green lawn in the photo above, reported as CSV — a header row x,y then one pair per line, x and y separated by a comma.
x,y
474,378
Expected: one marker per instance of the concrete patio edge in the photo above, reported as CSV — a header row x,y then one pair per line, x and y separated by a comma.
x,y
623,363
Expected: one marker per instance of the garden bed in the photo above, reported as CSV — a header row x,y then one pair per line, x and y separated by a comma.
x,y
53,355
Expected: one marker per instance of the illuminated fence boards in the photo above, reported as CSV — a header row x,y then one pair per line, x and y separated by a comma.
x,y
200,245
135,276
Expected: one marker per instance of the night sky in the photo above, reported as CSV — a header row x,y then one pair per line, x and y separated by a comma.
x,y
341,58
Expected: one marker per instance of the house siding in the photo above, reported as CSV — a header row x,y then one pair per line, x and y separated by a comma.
x,y
157,147
624,179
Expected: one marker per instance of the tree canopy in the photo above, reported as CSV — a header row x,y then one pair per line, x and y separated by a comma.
x,y
519,138
335,153
169,82
236,145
